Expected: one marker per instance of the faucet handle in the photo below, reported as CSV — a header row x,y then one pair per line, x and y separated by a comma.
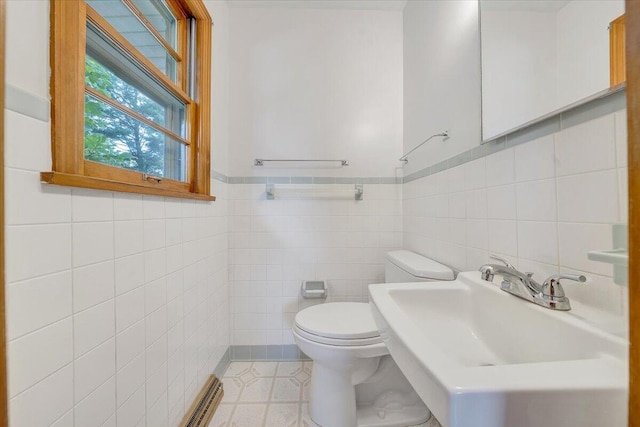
x,y
502,260
574,277
551,287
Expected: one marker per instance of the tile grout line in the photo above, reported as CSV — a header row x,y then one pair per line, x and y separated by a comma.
x,y
556,143
115,311
57,370
237,401
73,315
271,391
297,404
70,411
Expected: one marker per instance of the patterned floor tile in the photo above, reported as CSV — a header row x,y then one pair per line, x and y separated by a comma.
x,y
255,394
246,376
302,376
283,415
307,367
305,418
289,369
286,390
236,369
306,388
264,369
232,389
256,390
247,415
222,415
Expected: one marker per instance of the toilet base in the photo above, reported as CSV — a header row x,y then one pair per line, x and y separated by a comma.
x,y
359,386
369,416
410,416
334,399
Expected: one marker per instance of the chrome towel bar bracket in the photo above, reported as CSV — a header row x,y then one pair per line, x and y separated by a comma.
x,y
261,162
444,134
358,194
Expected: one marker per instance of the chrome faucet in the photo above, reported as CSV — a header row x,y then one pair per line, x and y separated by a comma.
x,y
549,294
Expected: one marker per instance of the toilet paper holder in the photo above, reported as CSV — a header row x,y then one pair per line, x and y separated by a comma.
x,y
312,289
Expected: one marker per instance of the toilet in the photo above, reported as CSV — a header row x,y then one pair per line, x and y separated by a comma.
x,y
355,382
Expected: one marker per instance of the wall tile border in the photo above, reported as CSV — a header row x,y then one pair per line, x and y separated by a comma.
x,y
304,179
26,103
251,353
223,364
284,353
219,177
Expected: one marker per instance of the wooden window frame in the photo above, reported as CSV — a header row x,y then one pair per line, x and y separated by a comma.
x,y
67,56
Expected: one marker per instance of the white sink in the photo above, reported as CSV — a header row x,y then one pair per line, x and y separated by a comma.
x,y
479,357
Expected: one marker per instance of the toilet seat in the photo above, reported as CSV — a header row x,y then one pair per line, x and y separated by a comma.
x,y
338,342
339,324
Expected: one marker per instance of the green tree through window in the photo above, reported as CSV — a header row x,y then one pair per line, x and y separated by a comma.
x,y
115,138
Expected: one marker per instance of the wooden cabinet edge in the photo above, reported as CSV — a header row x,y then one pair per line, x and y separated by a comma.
x,y
617,60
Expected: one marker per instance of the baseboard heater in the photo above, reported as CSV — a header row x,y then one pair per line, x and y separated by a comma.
x,y
206,403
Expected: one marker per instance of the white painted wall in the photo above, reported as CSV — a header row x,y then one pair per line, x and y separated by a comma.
x,y
520,67
441,79
31,16
308,83
117,304
219,11
583,48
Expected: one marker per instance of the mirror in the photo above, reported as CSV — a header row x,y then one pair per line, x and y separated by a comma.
x,y
541,56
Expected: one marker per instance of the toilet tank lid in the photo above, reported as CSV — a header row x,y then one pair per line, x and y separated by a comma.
x,y
420,266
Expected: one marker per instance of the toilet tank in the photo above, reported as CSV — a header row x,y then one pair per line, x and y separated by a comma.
x,y
406,266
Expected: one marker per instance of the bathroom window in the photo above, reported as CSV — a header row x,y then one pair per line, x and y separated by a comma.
x,y
130,87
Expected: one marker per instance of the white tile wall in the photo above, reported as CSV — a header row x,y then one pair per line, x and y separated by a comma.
x,y
308,232
53,395
111,297
118,304
542,205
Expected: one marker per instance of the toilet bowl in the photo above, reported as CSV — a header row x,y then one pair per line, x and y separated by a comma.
x,y
355,382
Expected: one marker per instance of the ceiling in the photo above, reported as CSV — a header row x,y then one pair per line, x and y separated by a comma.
x,y
391,5
529,5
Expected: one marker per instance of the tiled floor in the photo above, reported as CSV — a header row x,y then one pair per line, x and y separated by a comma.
x,y
268,394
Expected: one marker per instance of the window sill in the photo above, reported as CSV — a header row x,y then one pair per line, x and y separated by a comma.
x,y
71,180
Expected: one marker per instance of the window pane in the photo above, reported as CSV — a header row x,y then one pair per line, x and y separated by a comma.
x,y
160,17
118,139
107,82
126,23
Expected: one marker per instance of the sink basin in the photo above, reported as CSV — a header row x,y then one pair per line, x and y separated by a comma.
x,y
479,357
